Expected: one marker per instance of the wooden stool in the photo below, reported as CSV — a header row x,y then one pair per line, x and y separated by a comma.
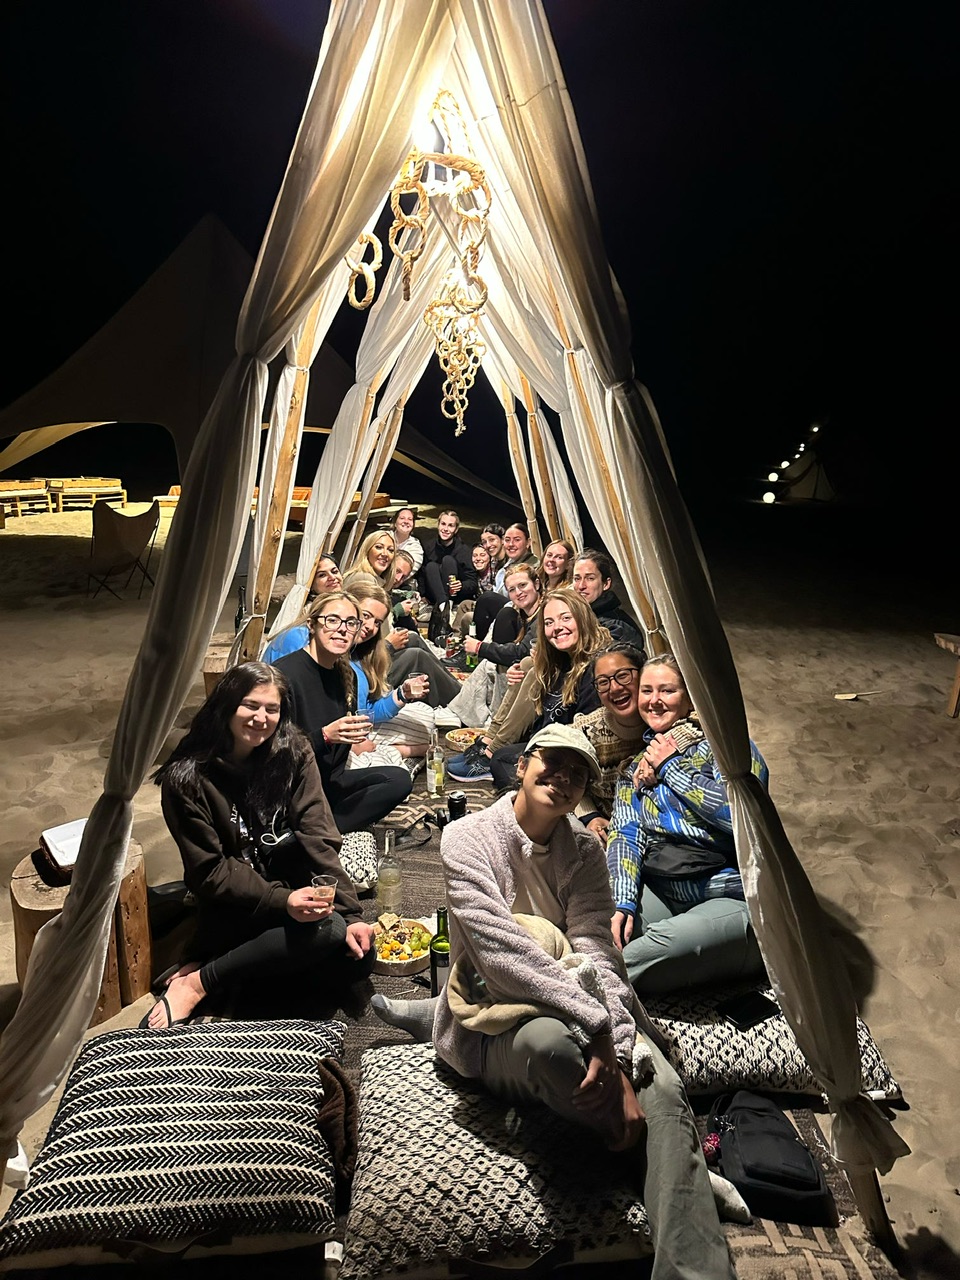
x,y
952,645
126,973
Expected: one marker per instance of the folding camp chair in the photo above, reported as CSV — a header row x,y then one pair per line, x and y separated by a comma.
x,y
119,546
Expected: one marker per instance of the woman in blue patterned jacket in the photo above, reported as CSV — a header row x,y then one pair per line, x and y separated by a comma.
x,y
680,918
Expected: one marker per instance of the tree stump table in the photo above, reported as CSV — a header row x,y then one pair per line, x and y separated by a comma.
x,y
126,972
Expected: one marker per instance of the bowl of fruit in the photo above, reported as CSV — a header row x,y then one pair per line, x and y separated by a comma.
x,y
401,945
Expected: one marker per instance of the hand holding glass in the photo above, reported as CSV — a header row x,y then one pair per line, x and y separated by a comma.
x,y
324,888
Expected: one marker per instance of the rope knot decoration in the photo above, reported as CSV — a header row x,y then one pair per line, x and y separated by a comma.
x,y
454,313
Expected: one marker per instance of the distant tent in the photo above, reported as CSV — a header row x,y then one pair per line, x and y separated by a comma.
x,y
161,357
806,480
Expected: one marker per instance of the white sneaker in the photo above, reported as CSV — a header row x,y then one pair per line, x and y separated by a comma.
x,y
444,718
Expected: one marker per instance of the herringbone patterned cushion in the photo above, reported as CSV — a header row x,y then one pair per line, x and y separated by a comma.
x,y
711,1056
171,1135
446,1171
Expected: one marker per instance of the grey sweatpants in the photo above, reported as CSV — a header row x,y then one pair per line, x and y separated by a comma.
x,y
539,1060
710,943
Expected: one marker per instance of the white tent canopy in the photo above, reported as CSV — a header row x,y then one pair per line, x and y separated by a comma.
x,y
557,320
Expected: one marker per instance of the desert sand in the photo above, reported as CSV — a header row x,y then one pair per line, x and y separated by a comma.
x,y
869,790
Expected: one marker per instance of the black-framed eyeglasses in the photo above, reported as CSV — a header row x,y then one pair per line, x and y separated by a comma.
x,y
624,677
332,622
556,762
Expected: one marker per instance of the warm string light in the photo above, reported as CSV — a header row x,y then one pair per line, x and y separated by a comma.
x,y
453,314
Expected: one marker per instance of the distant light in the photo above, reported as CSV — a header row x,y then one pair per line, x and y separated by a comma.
x,y
769,497
802,447
796,456
784,465
815,427
773,476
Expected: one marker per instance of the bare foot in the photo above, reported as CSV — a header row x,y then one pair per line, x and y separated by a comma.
x,y
182,997
191,967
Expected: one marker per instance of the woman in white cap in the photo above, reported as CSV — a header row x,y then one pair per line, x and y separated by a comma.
x,y
572,1044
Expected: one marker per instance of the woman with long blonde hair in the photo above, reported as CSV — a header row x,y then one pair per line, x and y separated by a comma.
x,y
558,686
402,723
376,555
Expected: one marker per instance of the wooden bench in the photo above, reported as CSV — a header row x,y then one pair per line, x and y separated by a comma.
x,y
126,973
299,500
19,493
952,645
84,491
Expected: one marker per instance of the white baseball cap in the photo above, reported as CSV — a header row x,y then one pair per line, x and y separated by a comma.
x,y
567,738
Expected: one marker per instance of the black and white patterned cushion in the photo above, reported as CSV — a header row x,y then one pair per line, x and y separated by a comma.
x,y
445,1171
711,1056
197,1131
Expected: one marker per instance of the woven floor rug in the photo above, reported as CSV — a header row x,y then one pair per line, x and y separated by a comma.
x,y
762,1251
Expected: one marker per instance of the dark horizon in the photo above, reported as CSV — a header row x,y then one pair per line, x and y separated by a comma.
x,y
772,185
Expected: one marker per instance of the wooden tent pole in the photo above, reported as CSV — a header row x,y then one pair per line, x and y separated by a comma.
x,y
280,496
650,620
555,526
520,466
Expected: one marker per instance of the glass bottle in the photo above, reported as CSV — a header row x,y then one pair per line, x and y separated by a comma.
x,y
440,953
435,766
389,877
431,777
472,658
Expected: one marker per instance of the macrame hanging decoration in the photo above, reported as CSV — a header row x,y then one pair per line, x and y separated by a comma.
x,y
454,313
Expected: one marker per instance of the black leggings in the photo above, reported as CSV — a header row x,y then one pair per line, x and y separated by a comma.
x,y
435,579
488,606
286,949
360,797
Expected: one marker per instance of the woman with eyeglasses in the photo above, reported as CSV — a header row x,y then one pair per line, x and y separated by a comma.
x,y
615,730
242,797
323,693
680,918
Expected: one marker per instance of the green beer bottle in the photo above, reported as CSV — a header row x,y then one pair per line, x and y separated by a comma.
x,y
440,953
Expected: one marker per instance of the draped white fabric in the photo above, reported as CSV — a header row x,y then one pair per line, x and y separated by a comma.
x,y
331,296
519,60
340,167
347,452
381,63
407,372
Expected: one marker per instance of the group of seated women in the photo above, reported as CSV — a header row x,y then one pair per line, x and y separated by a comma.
x,y
289,754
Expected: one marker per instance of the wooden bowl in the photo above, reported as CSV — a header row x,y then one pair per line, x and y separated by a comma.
x,y
463,738
400,968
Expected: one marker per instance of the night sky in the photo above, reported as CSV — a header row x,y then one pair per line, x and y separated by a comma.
x,y
773,182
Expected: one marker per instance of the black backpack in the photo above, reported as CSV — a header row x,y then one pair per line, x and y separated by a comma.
x,y
768,1162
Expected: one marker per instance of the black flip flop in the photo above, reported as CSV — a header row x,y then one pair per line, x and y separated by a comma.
x,y
144,1024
